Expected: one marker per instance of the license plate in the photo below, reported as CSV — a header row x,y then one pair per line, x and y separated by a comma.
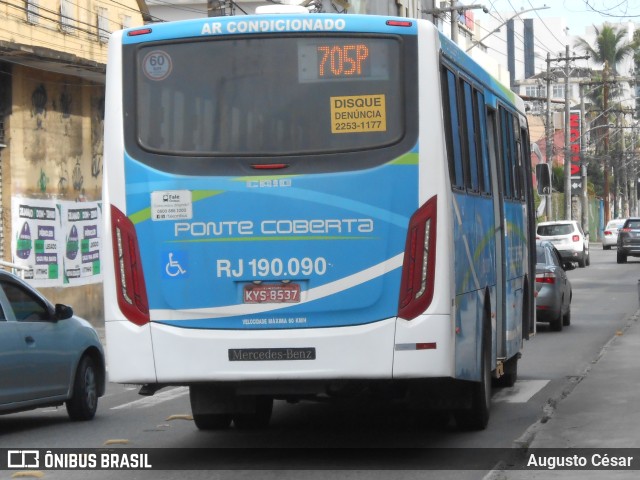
x,y
272,293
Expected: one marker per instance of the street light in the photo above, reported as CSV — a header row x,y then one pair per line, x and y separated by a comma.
x,y
476,42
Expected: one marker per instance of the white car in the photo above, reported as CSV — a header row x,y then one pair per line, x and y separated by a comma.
x,y
610,237
568,238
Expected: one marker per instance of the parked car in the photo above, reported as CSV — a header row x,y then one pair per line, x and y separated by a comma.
x,y
568,237
629,240
610,237
553,288
49,356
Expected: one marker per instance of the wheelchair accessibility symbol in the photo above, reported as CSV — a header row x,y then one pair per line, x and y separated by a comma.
x,y
173,267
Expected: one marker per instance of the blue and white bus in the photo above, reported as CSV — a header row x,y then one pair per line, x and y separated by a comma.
x,y
310,205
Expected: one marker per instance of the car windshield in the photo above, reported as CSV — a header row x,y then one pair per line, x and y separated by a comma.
x,y
548,230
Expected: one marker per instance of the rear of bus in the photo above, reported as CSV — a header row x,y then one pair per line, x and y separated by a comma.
x,y
270,224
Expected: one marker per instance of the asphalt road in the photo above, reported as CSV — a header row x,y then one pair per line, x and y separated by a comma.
x,y
383,439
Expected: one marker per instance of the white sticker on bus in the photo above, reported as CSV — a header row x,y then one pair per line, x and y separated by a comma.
x,y
171,205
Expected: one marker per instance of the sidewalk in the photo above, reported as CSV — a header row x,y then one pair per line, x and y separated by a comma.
x,y
600,410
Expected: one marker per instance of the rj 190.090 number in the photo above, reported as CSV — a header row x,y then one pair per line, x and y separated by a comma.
x,y
271,268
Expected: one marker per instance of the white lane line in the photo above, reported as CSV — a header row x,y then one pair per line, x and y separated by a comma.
x,y
155,399
521,392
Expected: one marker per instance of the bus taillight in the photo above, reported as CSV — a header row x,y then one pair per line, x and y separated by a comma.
x,y
416,288
131,290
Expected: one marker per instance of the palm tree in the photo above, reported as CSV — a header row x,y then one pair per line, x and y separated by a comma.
x,y
609,50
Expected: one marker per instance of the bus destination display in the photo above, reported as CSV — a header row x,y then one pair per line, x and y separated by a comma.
x,y
322,60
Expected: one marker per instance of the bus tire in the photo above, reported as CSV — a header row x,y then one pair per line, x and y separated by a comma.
x,y
84,401
204,416
260,418
477,416
212,421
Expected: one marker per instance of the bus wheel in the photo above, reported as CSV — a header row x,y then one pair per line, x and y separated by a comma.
x,y
477,416
212,421
260,418
205,416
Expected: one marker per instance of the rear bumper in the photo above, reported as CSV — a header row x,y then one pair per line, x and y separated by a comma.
x,y
572,255
630,250
180,356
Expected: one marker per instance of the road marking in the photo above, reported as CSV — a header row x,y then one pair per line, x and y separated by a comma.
x,y
521,392
155,399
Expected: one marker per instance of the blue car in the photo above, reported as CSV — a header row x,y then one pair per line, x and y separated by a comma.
x,y
49,356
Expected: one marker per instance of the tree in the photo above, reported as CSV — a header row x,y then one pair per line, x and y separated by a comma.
x,y
609,50
610,46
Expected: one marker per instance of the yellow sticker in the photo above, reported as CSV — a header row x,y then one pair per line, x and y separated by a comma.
x,y
359,113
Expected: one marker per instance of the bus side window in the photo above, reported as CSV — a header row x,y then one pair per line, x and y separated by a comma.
x,y
525,149
484,142
518,167
452,128
471,159
493,145
506,133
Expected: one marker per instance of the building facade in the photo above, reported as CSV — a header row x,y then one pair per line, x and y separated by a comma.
x,y
53,57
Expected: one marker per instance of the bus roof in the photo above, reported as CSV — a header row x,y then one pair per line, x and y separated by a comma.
x,y
255,24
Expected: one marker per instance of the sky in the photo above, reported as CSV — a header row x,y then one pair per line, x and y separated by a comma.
x,y
578,13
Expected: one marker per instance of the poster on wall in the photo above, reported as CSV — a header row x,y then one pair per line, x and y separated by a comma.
x,y
34,241
56,242
81,227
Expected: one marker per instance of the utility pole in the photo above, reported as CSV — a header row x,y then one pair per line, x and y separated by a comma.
x,y
567,136
605,107
583,164
549,133
624,170
454,10
567,139
454,22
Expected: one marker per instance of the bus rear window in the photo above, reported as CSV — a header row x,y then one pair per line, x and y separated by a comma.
x,y
269,96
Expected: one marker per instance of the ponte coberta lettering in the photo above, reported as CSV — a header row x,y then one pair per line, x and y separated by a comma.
x,y
274,227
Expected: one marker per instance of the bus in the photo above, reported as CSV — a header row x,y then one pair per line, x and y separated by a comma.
x,y
304,206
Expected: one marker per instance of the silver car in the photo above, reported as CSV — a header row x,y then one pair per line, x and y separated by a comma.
x,y
49,356
553,288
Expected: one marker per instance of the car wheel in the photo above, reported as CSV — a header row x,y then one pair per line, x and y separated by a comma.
x,y
566,318
84,402
621,257
606,247
556,323
588,260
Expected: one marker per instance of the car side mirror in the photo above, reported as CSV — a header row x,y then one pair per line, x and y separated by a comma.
x,y
63,312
